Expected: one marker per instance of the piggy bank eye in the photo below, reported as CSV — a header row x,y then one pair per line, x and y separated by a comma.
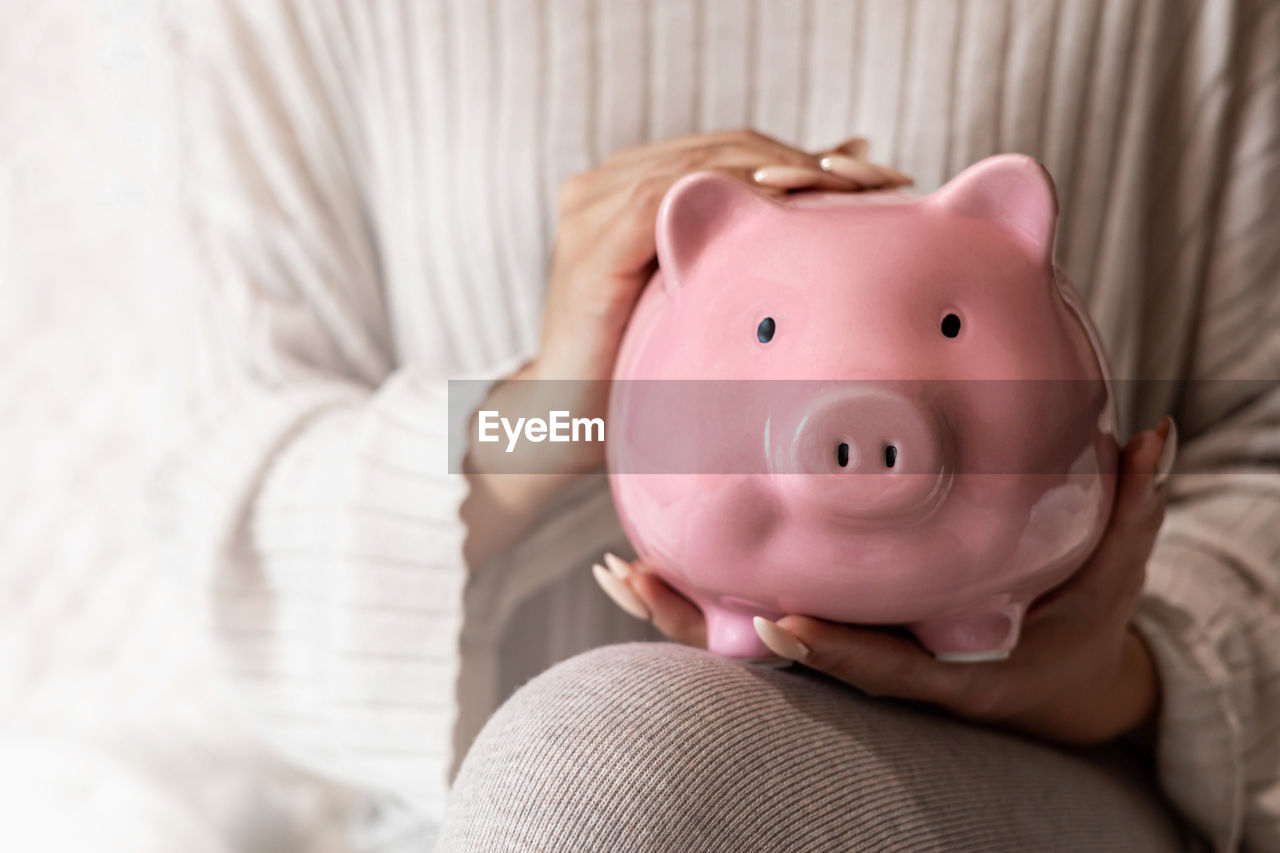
x,y
951,325
764,332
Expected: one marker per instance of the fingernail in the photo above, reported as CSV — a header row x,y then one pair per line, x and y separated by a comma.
x,y
1168,453
621,568
620,593
780,641
850,168
786,177
862,172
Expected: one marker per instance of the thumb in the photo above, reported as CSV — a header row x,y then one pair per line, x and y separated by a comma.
x,y
1144,465
1116,571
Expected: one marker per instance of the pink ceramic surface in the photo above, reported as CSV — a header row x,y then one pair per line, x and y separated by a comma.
x,y
932,471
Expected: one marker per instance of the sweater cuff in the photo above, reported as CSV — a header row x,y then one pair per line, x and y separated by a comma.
x,y
466,393
1199,733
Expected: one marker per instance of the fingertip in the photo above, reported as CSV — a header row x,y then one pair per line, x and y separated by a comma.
x,y
874,660
674,615
785,177
620,567
779,640
1142,451
1168,452
649,585
806,628
1140,497
621,593
825,639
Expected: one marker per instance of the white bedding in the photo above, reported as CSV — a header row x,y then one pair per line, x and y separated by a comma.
x,y
111,735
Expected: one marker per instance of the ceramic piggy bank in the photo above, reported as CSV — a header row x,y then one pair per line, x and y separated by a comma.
x,y
901,413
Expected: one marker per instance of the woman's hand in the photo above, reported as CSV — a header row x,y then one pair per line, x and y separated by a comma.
x,y
605,246
604,254
1079,675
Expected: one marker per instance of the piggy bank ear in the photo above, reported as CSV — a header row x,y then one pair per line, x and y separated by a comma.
x,y
695,210
1012,190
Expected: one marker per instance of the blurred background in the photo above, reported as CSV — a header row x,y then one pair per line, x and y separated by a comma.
x,y
112,737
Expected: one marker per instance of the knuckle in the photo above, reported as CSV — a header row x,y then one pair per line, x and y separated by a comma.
x,y
1140,531
1143,518
725,152
969,694
647,192
838,663
694,159
877,678
977,701
903,671
1128,593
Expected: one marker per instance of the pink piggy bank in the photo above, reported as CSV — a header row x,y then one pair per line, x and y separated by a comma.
x,y
902,414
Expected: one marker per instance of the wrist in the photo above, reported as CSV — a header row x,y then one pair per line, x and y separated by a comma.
x,y
508,491
532,395
1121,697
501,502
1128,700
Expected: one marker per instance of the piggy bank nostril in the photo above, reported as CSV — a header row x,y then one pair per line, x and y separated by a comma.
x,y
890,456
842,455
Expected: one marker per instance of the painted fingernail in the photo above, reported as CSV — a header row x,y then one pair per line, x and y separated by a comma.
x,y
851,168
780,641
621,568
861,171
620,593
1168,453
786,177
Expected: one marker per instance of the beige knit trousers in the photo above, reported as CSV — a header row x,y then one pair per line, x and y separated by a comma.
x,y
653,746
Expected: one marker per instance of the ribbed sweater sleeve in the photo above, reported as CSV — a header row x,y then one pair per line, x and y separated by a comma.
x,y
1211,609
308,495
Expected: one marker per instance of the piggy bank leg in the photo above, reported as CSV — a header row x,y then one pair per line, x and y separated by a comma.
x,y
732,634
983,632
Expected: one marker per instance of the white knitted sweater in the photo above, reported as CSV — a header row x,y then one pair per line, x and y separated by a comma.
x,y
372,185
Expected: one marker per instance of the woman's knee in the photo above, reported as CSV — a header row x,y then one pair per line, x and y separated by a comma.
x,y
660,747
650,746
599,750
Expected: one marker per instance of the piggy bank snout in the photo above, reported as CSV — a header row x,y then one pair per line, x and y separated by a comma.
x,y
877,454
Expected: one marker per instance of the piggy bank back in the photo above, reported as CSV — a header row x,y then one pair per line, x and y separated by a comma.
x,y
868,408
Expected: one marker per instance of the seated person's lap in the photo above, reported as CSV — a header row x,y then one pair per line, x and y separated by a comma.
x,y
661,747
